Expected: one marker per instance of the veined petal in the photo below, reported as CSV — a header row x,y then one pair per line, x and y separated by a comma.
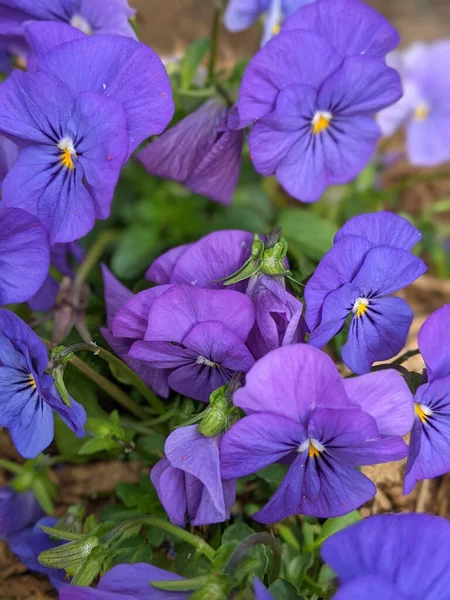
x,y
369,588
12,327
336,308
160,271
434,343
198,381
169,483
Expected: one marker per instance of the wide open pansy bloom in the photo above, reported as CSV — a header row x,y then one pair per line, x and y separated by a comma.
x,y
117,296
28,395
241,14
188,479
127,582
84,122
203,342
24,255
356,279
201,152
429,447
300,413
391,557
89,16
351,26
17,511
313,111
425,106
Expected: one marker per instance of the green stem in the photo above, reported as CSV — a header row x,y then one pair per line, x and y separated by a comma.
x,y
314,587
255,540
10,466
194,540
406,356
218,10
113,360
92,257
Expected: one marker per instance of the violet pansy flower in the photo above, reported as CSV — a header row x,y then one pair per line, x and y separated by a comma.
x,y
241,14
425,107
126,582
394,557
188,480
86,120
429,446
356,279
203,342
116,297
17,511
313,111
28,395
24,255
201,152
300,413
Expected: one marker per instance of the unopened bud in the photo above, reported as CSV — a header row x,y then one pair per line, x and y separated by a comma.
x,y
69,556
273,260
215,417
90,568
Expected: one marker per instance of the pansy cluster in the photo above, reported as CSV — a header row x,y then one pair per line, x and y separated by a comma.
x,y
238,352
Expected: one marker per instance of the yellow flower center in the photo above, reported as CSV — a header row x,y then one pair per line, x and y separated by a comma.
x,y
31,381
422,411
321,121
67,153
422,112
276,29
80,23
360,307
313,446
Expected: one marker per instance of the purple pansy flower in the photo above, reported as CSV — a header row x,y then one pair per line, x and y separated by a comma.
x,y
29,543
429,446
241,14
313,111
356,278
60,258
393,557
9,151
425,106
28,395
299,412
201,152
261,592
127,582
17,511
203,342
116,297
188,480
89,16
24,255
94,100
351,26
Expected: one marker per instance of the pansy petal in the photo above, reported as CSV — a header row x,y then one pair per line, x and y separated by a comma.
x,y
257,441
434,343
369,588
116,294
426,140
15,329
131,320
338,266
42,37
214,257
198,381
386,396
297,57
24,255
74,416
123,69
161,355
336,308
351,26
382,228
160,271
261,592
169,483
190,305
32,431
378,335
304,368
240,14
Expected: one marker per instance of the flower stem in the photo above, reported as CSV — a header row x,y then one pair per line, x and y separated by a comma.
x,y
10,466
92,257
114,361
218,10
255,540
196,541
406,356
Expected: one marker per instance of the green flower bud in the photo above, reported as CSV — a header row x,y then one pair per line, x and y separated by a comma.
x,y
215,417
273,259
69,556
90,568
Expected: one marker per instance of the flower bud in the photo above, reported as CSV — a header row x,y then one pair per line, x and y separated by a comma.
x,y
69,556
215,417
90,568
273,259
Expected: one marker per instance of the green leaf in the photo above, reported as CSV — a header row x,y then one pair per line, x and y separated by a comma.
x,y
137,246
335,524
288,536
191,60
236,533
298,566
283,590
134,550
273,474
94,445
304,231
153,444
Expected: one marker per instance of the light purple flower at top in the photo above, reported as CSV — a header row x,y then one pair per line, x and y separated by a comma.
x,y
24,255
351,26
429,446
116,297
94,100
201,152
356,278
299,412
28,395
241,14
188,480
89,16
17,511
392,557
313,111
127,582
29,543
202,341
425,108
